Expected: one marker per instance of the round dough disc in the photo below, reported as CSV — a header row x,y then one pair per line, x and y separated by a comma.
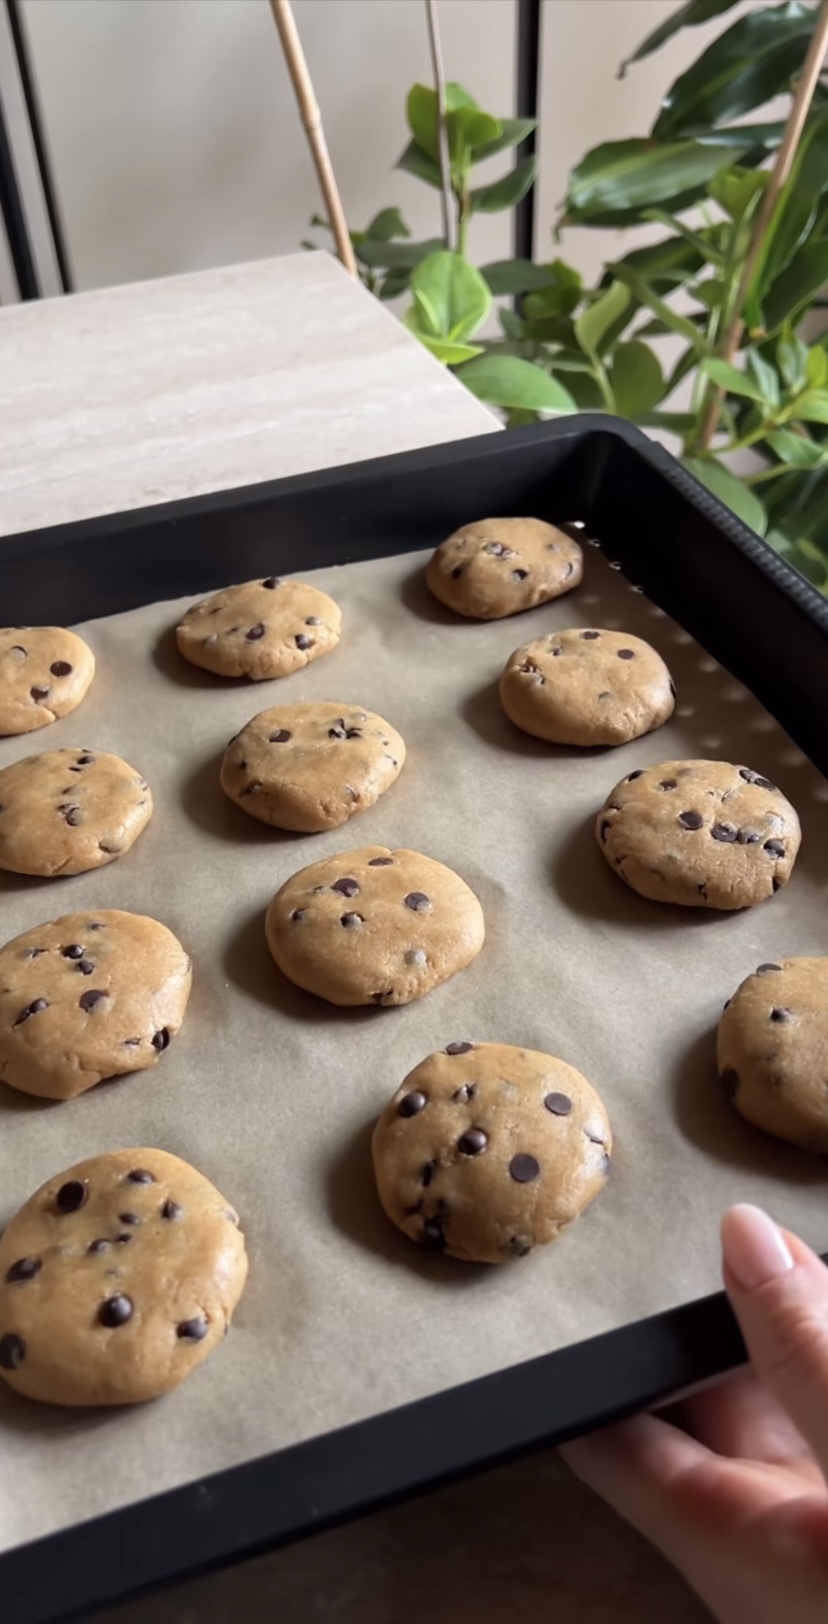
x,y
773,1051
311,767
68,811
500,567
260,629
487,1151
44,673
587,687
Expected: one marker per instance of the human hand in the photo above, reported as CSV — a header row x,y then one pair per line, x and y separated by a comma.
x,y
736,1496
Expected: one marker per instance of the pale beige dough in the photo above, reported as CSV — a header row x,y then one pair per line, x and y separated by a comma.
x,y
587,687
500,567
312,766
68,811
260,629
773,1051
44,673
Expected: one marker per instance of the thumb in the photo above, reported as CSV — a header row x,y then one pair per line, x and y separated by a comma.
x,y
779,1292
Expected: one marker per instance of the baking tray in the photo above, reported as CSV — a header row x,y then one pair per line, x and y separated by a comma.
x,y
695,561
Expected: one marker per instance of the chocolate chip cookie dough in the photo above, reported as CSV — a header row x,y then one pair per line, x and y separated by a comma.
x,y
68,811
89,996
260,629
374,926
772,1051
44,673
704,834
117,1278
499,567
487,1151
311,767
587,687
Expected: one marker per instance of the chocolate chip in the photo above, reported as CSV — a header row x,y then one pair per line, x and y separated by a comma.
x,y
161,1040
351,921
171,1209
570,570
17,648
667,783
432,1233
415,957
31,1009
89,999
605,827
690,820
71,1196
417,901
121,1240
765,969
140,1175
272,582
193,1330
73,951
314,620
748,837
724,831
411,1212
523,1169
589,637
472,1142
12,1351
380,862
132,1043
412,1104
128,1218
347,886
61,668
520,1246
255,633
672,688
24,1269
755,778
730,1082
39,693
85,760
298,915
775,847
639,773
457,572
519,575
98,1246
776,883
780,1014
85,966
498,549
281,737
303,641
458,1048
626,654
558,1104
115,1310
427,1172
464,1093
95,925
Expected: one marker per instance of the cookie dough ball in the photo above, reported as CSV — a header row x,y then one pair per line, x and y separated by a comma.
x,y
89,996
374,926
68,811
117,1279
773,1051
44,673
704,834
260,629
311,767
499,567
587,688
487,1151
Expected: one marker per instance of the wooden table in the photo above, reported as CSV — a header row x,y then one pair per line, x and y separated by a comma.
x,y
134,395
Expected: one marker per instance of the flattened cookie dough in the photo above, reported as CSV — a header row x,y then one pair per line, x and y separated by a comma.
x,y
499,567
311,767
487,1151
374,926
89,996
68,811
704,834
44,673
587,687
117,1278
260,629
772,1051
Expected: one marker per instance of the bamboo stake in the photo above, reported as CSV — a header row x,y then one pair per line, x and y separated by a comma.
x,y
442,129
779,174
312,120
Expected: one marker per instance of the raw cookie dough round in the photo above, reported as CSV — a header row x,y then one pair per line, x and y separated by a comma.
x,y
772,1051
374,926
68,811
499,567
311,767
587,688
44,673
117,1278
260,629
89,996
704,834
487,1150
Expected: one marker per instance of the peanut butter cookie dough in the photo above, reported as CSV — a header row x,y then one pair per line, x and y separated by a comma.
x,y
68,811
499,567
260,629
587,688
44,673
311,767
773,1051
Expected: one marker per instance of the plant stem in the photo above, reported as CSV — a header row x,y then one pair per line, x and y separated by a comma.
x,y
442,128
779,175
312,120
462,220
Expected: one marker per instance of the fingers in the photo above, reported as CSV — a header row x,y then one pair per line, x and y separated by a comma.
x,y
779,1291
637,1466
740,1419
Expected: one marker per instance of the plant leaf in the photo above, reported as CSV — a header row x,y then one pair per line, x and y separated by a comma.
x,y
387,224
796,209
421,112
750,63
729,489
451,355
731,379
687,16
504,380
813,408
734,189
684,365
561,294
516,276
792,359
413,161
507,192
671,422
765,377
804,277
512,132
511,323
451,296
816,367
796,449
670,261
636,378
394,284
641,173
646,296
594,322
395,256
706,249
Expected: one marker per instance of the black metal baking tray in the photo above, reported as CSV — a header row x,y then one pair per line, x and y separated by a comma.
x,y
748,608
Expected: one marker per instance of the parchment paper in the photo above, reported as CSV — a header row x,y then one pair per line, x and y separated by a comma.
x,y
272,1093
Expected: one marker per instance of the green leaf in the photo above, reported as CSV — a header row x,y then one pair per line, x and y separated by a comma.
x,y
792,360
636,378
583,388
816,367
506,381
647,296
796,209
683,367
802,554
595,321
560,296
670,261
813,408
796,449
511,323
731,379
387,224
421,111
705,249
512,132
515,276
687,16
550,330
729,489
394,284
507,192
765,377
797,286
451,296
641,173
469,129
753,61
450,354
734,189
672,422
396,256
413,161
711,293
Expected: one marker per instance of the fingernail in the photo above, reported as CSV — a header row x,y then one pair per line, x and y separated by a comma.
x,y
754,1249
